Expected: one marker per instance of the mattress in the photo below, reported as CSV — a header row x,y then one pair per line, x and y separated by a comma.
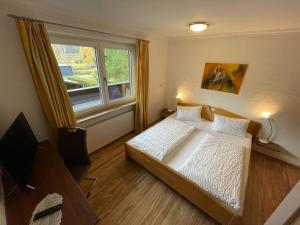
x,y
183,152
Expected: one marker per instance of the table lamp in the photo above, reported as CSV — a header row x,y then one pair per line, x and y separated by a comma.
x,y
267,115
178,97
174,103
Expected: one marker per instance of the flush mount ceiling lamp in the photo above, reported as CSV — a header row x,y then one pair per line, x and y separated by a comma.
x,y
198,26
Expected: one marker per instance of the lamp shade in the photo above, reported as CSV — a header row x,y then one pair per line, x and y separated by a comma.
x,y
266,115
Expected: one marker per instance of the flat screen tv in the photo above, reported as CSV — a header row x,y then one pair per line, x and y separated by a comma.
x,y
17,150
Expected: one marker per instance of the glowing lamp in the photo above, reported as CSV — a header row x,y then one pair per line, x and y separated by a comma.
x,y
198,26
178,96
267,115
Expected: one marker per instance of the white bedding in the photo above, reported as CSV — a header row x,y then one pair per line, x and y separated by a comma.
x,y
162,138
217,167
183,151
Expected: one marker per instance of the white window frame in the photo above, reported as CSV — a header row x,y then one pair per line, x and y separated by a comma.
x,y
132,71
99,46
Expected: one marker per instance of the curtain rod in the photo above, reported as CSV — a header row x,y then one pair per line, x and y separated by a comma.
x,y
69,26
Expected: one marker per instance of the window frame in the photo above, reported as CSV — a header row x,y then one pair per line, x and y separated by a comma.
x,y
99,46
131,64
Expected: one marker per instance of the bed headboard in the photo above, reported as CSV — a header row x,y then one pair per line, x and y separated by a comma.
x,y
208,113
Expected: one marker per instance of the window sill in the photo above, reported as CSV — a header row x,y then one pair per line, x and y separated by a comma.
x,y
99,117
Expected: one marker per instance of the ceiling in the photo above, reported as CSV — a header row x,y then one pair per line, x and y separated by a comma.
x,y
171,17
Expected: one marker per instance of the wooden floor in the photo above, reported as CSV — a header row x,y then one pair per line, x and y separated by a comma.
x,y
127,194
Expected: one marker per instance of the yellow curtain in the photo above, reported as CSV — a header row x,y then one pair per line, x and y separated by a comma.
x,y
46,75
141,110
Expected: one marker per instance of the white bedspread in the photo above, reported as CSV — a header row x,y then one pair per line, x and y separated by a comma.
x,y
218,167
162,138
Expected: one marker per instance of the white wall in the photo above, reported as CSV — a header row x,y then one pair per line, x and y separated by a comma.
x,y
17,91
272,82
158,51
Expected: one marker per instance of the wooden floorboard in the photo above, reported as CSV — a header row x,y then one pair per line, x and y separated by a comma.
x,y
127,194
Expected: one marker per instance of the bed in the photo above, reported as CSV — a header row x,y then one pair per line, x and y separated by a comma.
x,y
175,167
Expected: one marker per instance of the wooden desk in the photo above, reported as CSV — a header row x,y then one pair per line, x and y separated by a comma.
x,y
50,175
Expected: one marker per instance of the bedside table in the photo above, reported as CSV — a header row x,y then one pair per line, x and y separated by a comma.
x,y
166,112
276,151
268,146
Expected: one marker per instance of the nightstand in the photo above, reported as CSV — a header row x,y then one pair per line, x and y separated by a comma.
x,y
268,146
166,112
276,151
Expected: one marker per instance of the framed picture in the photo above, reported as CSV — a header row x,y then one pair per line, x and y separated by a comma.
x,y
223,77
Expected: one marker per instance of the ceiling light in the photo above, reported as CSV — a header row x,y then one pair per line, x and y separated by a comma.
x,y
198,26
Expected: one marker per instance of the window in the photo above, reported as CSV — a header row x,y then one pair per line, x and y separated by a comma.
x,y
117,64
96,74
79,68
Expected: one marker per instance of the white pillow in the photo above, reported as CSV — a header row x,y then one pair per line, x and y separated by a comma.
x,y
188,113
233,126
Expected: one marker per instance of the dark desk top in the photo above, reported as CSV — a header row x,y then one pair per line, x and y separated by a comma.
x,y
50,175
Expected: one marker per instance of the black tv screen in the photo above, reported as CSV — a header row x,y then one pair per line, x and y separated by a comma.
x,y
18,148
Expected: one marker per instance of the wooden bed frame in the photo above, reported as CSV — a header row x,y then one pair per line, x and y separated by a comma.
x,y
199,197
